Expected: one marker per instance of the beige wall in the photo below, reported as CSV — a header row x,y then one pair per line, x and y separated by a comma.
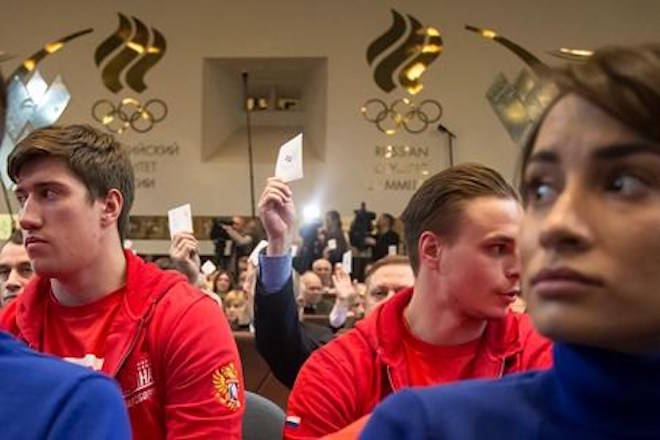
x,y
339,30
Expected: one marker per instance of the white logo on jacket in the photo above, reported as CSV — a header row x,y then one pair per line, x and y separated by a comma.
x,y
144,384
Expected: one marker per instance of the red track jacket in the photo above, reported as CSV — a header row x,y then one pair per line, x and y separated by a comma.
x,y
170,348
348,377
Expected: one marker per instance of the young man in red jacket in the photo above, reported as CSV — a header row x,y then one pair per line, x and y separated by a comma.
x,y
166,343
454,324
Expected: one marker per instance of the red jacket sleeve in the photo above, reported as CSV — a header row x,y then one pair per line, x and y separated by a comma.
x,y
324,398
205,395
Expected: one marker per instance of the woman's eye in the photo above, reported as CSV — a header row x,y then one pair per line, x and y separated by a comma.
x,y
539,192
626,184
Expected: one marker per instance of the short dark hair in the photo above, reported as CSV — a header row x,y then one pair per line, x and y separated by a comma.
x,y
96,158
217,275
389,218
622,81
437,205
385,261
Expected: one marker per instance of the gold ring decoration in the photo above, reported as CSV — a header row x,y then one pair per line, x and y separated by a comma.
x,y
414,118
129,113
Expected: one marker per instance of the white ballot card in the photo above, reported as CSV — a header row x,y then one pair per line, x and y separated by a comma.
x,y
208,267
294,250
332,244
391,249
347,261
180,219
289,165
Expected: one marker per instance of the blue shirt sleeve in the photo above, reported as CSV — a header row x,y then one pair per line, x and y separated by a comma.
x,y
94,409
274,271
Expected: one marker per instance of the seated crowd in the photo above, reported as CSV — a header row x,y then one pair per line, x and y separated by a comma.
x,y
387,352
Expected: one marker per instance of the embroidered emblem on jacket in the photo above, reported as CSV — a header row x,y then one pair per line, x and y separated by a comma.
x,y
144,384
225,382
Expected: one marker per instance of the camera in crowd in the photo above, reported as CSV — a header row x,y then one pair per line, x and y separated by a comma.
x,y
361,227
218,233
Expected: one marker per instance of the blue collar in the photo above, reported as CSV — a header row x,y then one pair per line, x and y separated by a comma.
x,y
607,391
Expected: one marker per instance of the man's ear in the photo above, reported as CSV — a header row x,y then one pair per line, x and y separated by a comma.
x,y
112,205
429,248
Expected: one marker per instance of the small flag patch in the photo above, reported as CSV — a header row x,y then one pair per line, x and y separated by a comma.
x,y
292,421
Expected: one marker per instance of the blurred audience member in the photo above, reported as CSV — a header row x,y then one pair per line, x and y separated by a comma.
x,y
234,240
311,248
323,269
242,264
248,286
236,308
386,277
383,280
223,282
311,295
15,268
242,280
361,229
335,243
385,238
243,232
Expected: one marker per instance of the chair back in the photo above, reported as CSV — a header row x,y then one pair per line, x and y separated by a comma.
x,y
263,420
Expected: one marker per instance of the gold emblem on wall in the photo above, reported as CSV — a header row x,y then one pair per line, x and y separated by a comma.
x,y
402,113
537,66
399,57
520,103
125,57
406,47
32,103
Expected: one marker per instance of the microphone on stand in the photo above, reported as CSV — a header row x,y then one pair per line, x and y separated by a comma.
x,y
451,137
444,129
248,123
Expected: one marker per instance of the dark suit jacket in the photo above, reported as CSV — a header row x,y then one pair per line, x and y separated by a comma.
x,y
282,340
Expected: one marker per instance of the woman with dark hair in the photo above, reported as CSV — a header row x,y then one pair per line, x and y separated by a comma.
x,y
335,239
590,247
223,282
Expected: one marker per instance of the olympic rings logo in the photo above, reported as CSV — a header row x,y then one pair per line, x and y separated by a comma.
x,y
130,113
414,118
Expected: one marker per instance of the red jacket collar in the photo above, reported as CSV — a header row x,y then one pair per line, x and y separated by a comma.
x,y
145,286
382,328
